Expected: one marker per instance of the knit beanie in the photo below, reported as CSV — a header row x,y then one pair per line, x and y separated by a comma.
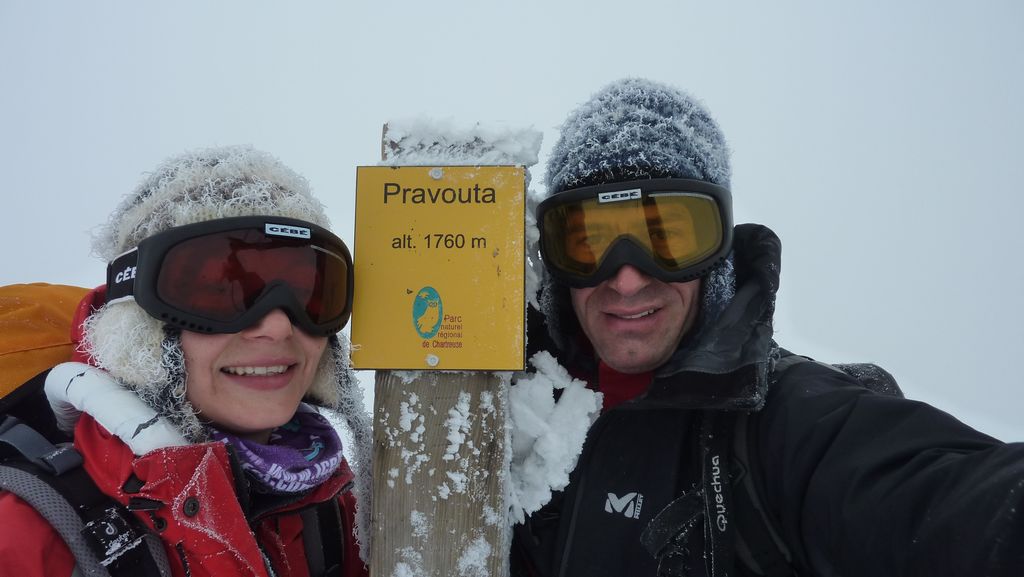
x,y
143,353
636,129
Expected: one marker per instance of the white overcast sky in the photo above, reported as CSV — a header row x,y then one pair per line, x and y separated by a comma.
x,y
882,140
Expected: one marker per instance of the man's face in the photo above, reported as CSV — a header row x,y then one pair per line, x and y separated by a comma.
x,y
635,321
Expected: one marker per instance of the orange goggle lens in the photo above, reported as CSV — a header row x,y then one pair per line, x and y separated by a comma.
x,y
221,276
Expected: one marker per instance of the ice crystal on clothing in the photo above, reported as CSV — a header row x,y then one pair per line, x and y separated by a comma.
x,y
547,436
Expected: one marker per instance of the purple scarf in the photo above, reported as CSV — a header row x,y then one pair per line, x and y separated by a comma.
x,y
300,454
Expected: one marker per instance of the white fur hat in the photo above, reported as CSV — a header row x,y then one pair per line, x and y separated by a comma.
x,y
197,186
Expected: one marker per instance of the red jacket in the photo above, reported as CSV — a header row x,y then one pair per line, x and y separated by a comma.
x,y
215,541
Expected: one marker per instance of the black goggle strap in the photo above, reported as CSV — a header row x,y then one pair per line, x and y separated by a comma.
x,y
121,276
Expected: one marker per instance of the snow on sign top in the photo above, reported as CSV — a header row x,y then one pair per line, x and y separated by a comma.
x,y
427,141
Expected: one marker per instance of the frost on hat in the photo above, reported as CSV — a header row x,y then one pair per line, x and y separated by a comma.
x,y
206,185
137,349
634,129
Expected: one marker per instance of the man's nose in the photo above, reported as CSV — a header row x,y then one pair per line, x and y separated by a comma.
x,y
628,280
274,325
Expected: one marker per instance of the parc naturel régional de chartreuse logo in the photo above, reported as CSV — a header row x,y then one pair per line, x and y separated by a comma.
x,y
426,312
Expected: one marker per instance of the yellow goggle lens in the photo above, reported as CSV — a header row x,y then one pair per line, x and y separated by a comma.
x,y
676,229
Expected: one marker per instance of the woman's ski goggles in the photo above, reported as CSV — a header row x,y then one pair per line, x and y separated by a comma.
x,y
672,229
222,276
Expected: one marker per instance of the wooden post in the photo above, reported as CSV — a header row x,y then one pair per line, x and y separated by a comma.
x,y
441,442
443,515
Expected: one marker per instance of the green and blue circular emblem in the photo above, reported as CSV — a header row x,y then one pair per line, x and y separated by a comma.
x,y
427,312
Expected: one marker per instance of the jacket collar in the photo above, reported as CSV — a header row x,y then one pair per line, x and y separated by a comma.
x,y
170,472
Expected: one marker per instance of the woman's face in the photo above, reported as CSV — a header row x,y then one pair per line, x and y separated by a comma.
x,y
250,382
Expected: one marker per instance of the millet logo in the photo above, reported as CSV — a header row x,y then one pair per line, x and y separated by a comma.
x,y
629,504
285,230
619,195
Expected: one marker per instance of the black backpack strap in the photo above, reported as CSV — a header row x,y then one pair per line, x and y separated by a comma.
x,y
25,441
758,544
719,520
666,536
786,361
28,403
323,540
104,537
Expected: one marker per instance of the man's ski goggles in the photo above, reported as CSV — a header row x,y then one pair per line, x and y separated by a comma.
x,y
672,229
222,276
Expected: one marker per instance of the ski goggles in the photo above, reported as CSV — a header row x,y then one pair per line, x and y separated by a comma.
x,y
672,229
222,276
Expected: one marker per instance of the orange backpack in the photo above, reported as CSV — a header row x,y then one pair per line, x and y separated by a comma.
x,y
35,330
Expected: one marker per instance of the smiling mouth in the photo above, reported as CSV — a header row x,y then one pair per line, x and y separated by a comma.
x,y
256,371
638,315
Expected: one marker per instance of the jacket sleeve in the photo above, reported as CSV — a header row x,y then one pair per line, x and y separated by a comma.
x,y
29,546
868,484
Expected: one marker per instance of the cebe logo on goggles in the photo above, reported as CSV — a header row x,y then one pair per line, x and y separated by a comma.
x,y
222,276
672,229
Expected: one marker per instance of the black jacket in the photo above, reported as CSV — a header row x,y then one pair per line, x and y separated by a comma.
x,y
857,483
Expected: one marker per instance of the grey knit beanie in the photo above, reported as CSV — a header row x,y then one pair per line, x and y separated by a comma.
x,y
637,129
139,350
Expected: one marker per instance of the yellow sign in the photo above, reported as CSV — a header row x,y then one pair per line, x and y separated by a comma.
x,y
439,263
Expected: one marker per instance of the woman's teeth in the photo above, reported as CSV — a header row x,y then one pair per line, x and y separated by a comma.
x,y
260,371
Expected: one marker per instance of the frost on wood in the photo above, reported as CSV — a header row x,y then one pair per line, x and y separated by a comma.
x,y
411,564
427,141
420,524
547,436
461,450
409,418
458,424
446,479
407,437
406,433
473,561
